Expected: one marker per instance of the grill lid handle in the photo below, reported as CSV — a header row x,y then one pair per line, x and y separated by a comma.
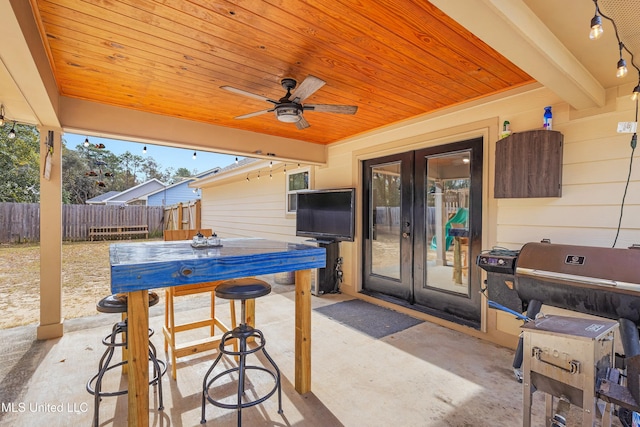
x,y
572,278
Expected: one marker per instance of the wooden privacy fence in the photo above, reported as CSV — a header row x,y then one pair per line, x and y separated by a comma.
x,y
182,216
20,222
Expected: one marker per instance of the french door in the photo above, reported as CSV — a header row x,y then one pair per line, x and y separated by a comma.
x,y
422,229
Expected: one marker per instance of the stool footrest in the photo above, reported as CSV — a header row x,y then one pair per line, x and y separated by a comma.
x,y
244,404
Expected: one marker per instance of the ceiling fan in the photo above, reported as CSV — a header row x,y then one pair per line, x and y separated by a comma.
x,y
289,108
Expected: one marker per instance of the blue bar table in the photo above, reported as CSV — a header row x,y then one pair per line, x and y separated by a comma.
x,y
138,267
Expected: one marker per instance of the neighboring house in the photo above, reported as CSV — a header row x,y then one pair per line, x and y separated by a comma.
x,y
102,198
133,196
178,192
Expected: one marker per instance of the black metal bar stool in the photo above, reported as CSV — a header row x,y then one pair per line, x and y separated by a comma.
x,y
117,303
241,289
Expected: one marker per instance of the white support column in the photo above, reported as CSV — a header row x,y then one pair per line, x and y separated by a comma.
x,y
50,235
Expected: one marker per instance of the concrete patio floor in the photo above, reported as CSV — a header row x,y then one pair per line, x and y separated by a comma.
x,y
425,375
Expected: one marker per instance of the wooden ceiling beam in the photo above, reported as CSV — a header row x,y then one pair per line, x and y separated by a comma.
x,y
27,87
512,29
86,117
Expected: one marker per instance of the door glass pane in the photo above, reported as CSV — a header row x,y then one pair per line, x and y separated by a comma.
x,y
385,196
447,218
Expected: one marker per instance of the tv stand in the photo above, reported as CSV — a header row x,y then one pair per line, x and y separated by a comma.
x,y
327,280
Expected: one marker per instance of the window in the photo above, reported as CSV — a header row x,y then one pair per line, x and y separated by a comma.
x,y
297,180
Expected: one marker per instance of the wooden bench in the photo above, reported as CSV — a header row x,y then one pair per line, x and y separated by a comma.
x,y
118,232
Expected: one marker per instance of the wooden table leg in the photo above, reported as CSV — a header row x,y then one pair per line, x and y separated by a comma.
x,y
303,332
138,343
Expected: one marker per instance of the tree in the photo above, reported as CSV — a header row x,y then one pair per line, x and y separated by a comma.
x,y
130,164
77,185
180,174
152,170
19,164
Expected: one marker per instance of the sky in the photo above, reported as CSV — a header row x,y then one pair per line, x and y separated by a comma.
x,y
165,156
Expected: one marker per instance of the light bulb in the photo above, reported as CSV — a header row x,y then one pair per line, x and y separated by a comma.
x,y
635,93
236,160
86,142
194,155
12,132
622,68
596,28
144,150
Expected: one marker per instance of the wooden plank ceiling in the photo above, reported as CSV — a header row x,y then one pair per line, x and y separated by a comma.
x,y
392,59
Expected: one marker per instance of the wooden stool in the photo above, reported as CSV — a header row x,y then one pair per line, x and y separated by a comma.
x,y
243,290
171,328
118,304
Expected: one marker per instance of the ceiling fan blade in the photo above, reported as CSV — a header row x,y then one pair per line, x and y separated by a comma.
x,y
249,94
307,88
302,123
327,108
255,113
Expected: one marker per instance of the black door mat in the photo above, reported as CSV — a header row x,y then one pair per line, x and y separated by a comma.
x,y
370,319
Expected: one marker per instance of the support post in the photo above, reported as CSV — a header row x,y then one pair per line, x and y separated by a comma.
x,y
50,234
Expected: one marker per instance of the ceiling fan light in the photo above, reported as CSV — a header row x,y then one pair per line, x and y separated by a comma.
x,y
288,113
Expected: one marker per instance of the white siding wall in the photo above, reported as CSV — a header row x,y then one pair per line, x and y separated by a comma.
x,y
249,209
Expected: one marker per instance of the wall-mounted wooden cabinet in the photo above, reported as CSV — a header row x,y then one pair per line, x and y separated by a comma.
x,y
529,164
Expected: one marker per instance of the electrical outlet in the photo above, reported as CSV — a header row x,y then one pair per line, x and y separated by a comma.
x,y
627,127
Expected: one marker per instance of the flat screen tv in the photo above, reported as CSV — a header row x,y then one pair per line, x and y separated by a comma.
x,y
326,214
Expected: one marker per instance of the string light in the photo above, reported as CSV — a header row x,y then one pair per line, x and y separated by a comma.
x,y
194,155
144,150
595,33
236,160
596,25
272,169
622,65
271,165
636,91
12,132
86,142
